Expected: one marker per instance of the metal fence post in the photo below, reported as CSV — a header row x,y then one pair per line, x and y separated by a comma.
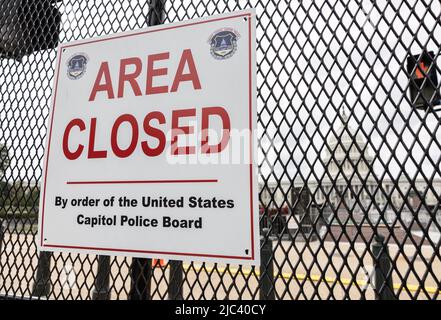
x,y
266,280
141,269
141,273
156,12
42,284
101,290
175,284
383,276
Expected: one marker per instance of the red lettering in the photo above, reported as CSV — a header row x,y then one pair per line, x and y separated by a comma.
x,y
186,59
154,132
124,153
177,130
226,127
106,86
94,154
151,72
129,77
72,155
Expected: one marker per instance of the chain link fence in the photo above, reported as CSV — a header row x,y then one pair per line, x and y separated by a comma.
x,y
349,152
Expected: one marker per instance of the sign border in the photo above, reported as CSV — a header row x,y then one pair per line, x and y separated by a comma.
x,y
250,14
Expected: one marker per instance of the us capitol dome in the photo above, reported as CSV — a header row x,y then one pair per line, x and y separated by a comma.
x,y
350,184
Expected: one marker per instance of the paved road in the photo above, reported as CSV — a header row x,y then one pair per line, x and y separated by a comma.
x,y
321,263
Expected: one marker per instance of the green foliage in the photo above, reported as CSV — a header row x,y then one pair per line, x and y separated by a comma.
x,y
18,198
5,188
31,199
4,164
24,196
16,194
4,160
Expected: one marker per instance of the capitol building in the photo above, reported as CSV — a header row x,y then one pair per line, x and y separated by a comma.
x,y
350,185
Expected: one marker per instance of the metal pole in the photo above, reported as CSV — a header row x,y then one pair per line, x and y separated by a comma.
x,y
383,275
175,283
102,291
141,270
156,13
42,285
266,281
141,273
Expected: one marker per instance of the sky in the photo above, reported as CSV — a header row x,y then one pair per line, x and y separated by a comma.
x,y
314,59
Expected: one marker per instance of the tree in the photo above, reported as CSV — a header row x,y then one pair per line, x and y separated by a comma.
x,y
31,199
4,160
17,194
5,187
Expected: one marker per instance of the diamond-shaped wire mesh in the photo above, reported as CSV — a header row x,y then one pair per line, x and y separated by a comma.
x,y
349,169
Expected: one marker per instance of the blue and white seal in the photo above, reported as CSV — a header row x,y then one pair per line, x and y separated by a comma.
x,y
223,43
76,66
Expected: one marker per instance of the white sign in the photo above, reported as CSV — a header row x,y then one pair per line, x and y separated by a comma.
x,y
150,149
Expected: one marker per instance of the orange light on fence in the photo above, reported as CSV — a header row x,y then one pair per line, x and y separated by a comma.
x,y
421,70
423,82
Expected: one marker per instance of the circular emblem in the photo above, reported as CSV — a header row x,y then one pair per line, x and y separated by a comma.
x,y
76,66
223,43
